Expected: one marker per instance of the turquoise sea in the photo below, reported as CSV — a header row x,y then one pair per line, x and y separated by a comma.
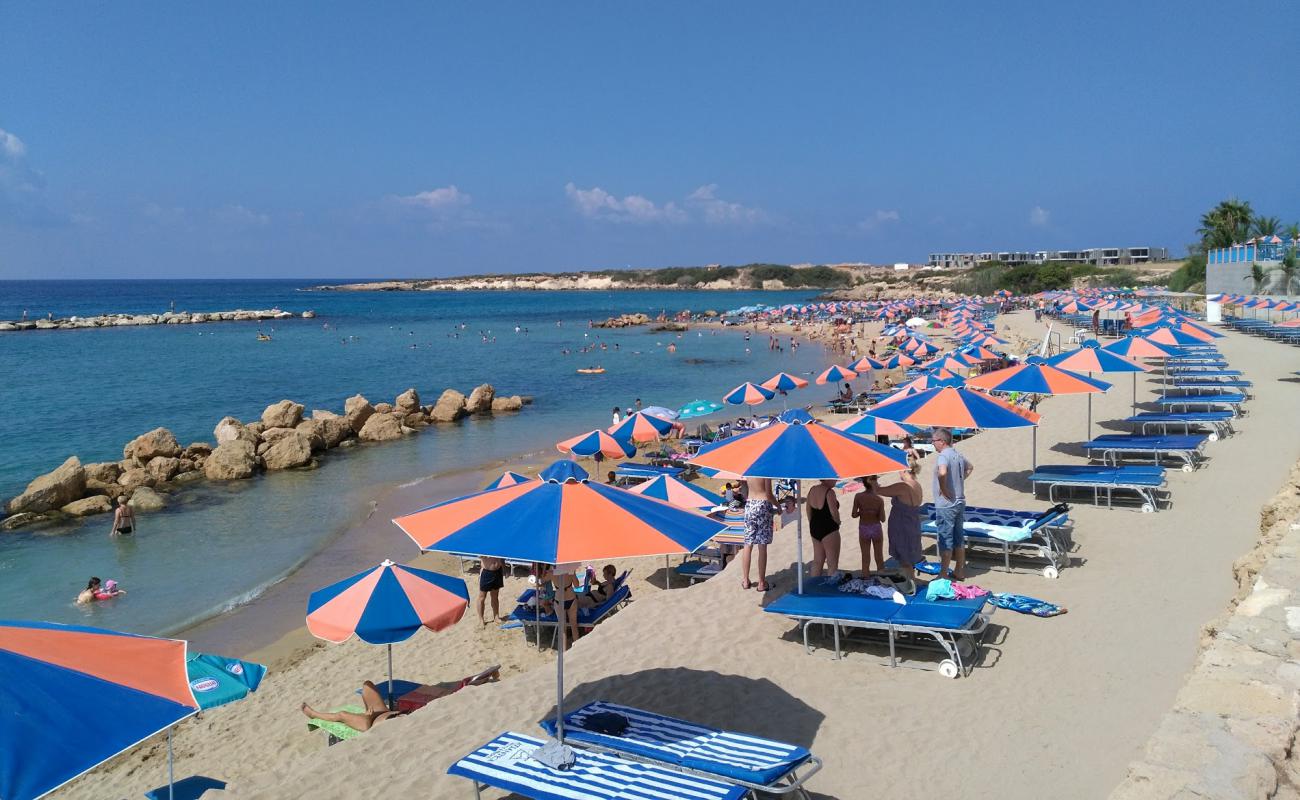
x,y
88,392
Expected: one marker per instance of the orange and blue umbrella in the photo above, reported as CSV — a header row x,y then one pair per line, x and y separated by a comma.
x,y
866,363
1141,347
1090,357
1173,337
748,394
784,382
900,359
799,451
678,492
597,443
866,425
952,407
641,427
1037,379
387,604
835,373
556,520
72,697
507,478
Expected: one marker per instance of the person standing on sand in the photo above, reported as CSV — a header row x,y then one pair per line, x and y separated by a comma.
x,y
905,516
869,510
123,519
951,469
824,527
758,529
491,580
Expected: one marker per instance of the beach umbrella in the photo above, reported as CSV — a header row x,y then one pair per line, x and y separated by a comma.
x,y
218,681
784,382
661,412
900,359
1040,378
641,427
593,443
388,604
699,408
1165,335
72,697
507,478
1090,357
866,364
866,425
748,394
835,373
1140,347
952,407
559,519
799,452
678,492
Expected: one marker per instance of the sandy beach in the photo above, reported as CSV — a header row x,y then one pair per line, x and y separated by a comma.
x,y
1058,707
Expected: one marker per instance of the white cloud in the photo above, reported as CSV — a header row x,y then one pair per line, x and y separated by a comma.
x,y
240,215
11,145
717,211
596,203
1039,217
437,201
879,219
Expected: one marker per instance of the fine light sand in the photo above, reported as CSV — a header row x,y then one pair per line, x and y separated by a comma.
x,y
1058,707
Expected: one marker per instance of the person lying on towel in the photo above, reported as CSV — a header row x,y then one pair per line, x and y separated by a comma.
x,y
377,711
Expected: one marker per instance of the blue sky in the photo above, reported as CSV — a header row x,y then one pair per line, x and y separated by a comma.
x,y
327,139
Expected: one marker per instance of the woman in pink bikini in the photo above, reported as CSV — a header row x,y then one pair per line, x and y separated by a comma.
x,y
869,509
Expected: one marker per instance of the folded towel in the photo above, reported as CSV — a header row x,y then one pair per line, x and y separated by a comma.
x,y
606,722
555,755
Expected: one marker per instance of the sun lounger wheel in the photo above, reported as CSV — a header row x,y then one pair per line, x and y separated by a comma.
x,y
1148,508
1051,572
948,668
1187,468
1214,437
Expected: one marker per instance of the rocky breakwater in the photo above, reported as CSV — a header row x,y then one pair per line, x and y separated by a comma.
x,y
1232,732
624,321
129,320
155,466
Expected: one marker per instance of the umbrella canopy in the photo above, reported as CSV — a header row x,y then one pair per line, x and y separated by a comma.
x,y
389,603
556,520
1164,335
1092,358
784,382
748,394
799,452
641,427
661,412
1140,347
507,478
699,408
592,443
217,680
953,408
900,359
865,425
72,697
866,363
835,373
678,492
1038,379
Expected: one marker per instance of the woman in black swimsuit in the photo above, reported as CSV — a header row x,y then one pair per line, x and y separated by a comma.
x,y
123,519
824,526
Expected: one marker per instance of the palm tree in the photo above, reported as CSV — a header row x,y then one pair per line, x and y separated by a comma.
x,y
1258,276
1266,226
1290,270
1226,224
1292,232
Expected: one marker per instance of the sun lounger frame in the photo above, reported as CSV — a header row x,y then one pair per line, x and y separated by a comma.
x,y
621,597
1219,427
1112,451
1049,541
1145,492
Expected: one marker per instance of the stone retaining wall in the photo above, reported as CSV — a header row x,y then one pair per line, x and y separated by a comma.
x,y
1232,731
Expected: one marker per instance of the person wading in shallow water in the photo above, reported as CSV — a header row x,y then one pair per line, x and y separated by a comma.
x,y
123,519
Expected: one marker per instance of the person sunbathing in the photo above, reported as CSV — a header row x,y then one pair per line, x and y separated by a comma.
x,y
377,710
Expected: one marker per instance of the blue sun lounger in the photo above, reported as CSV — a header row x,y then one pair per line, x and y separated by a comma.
x,y
755,763
1005,533
1211,386
1232,400
588,618
954,627
506,763
1145,482
1113,447
1218,423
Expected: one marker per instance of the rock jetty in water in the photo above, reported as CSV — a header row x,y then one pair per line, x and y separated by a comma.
x,y
168,318
155,465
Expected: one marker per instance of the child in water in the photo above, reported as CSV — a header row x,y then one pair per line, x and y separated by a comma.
x,y
96,591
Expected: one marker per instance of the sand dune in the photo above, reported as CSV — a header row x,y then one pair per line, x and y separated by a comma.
x,y
1057,708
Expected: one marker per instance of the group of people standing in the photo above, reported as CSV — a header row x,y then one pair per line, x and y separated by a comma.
x,y
902,520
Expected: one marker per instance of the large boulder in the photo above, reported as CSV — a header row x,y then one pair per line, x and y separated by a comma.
x,y
383,408
155,443
311,429
284,414
88,506
333,430
104,472
197,450
320,413
146,499
293,450
136,477
52,490
512,403
449,408
163,468
380,428
357,409
229,429
408,401
480,400
231,460
273,435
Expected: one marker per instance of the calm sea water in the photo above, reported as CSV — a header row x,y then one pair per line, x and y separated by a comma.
x,y
88,392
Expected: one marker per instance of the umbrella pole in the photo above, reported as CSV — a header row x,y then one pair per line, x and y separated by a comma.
x,y
391,704
798,490
171,769
1089,417
561,617
1033,453
1135,393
